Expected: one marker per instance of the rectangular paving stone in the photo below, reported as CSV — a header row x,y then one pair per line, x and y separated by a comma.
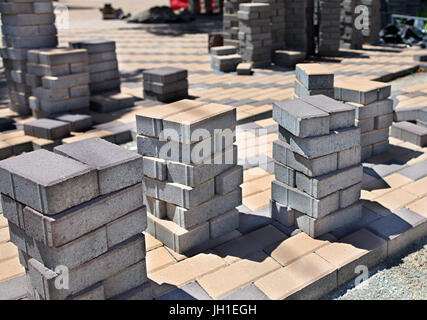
x,y
415,171
285,174
59,183
219,204
301,91
78,122
303,202
165,74
57,230
366,125
317,146
229,180
122,168
106,265
47,129
316,227
223,224
383,121
181,195
150,122
409,132
310,277
373,137
321,186
314,76
361,90
349,157
341,115
199,123
350,195
95,45
311,167
282,213
374,109
249,292
301,118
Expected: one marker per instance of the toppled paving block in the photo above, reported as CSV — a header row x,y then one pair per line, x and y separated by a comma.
x,y
47,129
288,58
409,132
314,76
244,69
122,168
41,189
111,102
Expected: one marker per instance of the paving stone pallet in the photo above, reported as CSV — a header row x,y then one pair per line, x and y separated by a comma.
x,y
25,25
81,213
374,111
316,165
192,196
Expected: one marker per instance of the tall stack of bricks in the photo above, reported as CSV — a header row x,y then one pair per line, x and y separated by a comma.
x,y
313,79
374,111
104,75
165,84
350,35
25,25
317,165
299,25
77,219
255,33
277,16
230,22
329,37
192,180
59,80
371,35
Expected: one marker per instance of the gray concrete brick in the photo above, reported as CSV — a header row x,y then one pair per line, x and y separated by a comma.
x,y
73,223
126,226
383,121
155,168
111,102
373,137
106,265
303,202
301,91
78,122
47,129
249,292
95,45
60,56
165,74
373,109
284,174
178,239
223,224
195,153
314,76
121,169
125,280
188,124
367,93
67,81
219,204
350,195
179,194
311,167
59,183
317,227
366,125
70,255
410,132
313,147
416,171
301,118
155,206
341,115
229,180
324,185
349,157
282,213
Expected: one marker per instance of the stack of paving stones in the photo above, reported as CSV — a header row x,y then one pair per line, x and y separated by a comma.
x,y
299,25
230,22
25,25
317,165
329,37
277,18
104,76
52,131
79,212
192,180
349,34
374,111
372,35
59,79
313,79
225,58
165,84
255,33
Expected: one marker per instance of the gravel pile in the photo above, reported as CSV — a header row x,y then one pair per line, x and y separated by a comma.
x,y
401,278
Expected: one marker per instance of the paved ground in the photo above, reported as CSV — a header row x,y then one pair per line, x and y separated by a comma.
x,y
262,259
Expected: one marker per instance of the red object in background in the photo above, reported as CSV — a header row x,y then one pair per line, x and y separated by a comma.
x,y
178,4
